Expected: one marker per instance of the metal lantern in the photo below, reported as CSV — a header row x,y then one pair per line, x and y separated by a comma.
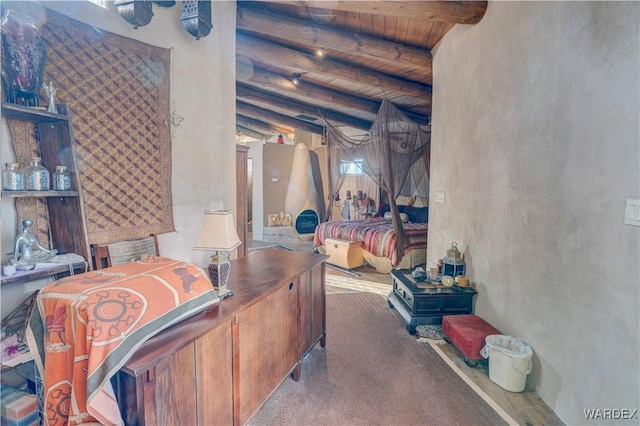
x,y
136,12
452,263
196,18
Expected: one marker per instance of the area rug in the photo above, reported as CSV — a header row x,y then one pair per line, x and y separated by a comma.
x,y
372,372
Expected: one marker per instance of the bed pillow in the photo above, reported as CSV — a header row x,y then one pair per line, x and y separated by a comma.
x,y
403,200
404,218
417,214
421,202
384,208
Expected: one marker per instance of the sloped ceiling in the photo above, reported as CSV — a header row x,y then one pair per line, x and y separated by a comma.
x,y
372,50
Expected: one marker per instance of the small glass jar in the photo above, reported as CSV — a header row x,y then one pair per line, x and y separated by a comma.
x,y
61,179
36,176
12,177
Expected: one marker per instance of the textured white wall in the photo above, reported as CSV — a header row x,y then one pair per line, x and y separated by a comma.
x,y
203,92
536,146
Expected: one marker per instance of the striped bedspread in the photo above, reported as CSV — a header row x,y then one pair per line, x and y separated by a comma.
x,y
377,235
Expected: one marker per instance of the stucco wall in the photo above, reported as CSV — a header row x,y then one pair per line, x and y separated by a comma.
x,y
536,146
203,92
277,160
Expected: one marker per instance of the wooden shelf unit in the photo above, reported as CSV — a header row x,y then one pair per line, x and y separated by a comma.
x,y
67,220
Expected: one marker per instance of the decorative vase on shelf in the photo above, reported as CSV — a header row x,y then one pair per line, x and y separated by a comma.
x,y
61,179
12,178
36,176
24,55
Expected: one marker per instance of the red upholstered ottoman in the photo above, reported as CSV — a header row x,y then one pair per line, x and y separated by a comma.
x,y
467,332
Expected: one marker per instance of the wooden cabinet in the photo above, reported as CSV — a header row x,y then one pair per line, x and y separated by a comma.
x,y
193,385
218,367
56,146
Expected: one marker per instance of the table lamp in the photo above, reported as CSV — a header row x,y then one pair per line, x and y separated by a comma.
x,y
218,234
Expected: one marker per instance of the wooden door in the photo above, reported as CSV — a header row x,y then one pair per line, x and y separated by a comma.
x,y
311,309
304,314
170,390
241,196
318,302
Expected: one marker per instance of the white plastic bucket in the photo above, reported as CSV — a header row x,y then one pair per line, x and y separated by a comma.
x,y
509,361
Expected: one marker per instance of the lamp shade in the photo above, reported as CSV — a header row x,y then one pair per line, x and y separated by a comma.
x,y
218,232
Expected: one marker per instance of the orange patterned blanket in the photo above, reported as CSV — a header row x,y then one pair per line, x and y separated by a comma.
x,y
87,326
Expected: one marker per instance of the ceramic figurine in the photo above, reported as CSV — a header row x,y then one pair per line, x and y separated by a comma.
x,y
51,95
28,249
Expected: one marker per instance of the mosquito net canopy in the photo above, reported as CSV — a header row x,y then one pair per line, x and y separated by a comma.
x,y
388,151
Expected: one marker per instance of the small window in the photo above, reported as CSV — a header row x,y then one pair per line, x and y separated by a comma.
x,y
351,167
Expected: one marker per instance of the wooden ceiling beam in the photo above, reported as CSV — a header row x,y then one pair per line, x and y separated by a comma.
x,y
304,32
261,126
454,12
249,132
249,94
261,79
273,117
276,83
265,51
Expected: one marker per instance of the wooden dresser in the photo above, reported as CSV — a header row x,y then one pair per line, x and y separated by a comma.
x,y
218,367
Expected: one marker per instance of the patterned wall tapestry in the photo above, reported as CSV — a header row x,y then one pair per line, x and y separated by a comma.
x,y
117,90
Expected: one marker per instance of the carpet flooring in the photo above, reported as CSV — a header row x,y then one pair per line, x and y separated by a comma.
x,y
372,372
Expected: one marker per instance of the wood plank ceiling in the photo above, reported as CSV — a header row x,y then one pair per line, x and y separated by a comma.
x,y
371,50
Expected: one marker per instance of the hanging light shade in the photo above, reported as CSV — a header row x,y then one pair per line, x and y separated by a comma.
x,y
136,12
196,17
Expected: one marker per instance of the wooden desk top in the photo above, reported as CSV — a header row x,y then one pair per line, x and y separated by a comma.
x,y
252,278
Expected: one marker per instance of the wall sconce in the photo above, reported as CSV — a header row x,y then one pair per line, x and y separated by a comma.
x,y
196,17
136,12
218,234
295,78
175,120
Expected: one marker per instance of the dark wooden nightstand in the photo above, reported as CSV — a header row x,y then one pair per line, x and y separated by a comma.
x,y
424,303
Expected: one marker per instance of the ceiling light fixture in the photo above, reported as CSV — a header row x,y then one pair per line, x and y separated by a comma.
x,y
319,55
295,78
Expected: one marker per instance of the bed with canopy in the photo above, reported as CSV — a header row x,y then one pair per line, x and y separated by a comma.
x,y
392,151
